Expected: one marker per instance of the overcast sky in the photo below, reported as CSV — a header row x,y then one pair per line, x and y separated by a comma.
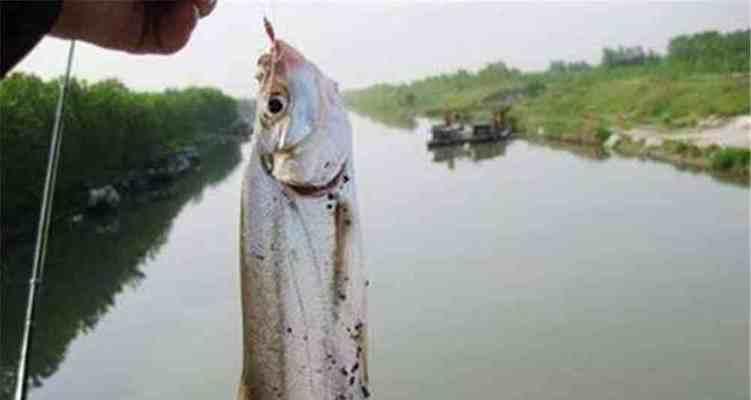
x,y
361,43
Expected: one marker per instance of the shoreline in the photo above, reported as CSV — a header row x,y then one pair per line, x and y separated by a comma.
x,y
713,147
151,183
702,148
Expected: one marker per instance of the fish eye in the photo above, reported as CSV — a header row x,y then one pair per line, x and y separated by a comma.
x,y
276,104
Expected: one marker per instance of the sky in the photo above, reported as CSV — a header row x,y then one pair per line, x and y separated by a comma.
x,y
361,43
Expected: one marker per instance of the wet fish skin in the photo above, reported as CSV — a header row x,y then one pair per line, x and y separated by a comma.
x,y
303,285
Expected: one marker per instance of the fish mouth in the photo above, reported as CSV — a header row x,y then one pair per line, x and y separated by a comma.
x,y
303,189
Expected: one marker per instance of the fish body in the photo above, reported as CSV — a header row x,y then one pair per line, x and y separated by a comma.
x,y
303,284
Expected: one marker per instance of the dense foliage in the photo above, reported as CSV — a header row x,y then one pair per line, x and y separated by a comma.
x,y
701,75
711,51
626,56
560,66
462,91
109,129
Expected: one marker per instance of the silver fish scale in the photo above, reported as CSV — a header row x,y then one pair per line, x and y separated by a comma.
x,y
303,291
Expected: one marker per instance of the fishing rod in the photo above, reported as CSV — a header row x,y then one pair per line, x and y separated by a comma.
x,y
40,249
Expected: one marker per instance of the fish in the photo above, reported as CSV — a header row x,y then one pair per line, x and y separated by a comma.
x,y
303,280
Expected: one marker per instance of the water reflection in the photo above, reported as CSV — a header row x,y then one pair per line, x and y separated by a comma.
x,y
589,152
88,265
448,155
476,152
406,123
487,151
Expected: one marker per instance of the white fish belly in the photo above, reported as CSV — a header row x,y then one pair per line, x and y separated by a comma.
x,y
303,292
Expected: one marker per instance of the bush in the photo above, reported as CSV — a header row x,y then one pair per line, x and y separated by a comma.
x,y
603,133
627,56
682,148
731,158
535,88
711,51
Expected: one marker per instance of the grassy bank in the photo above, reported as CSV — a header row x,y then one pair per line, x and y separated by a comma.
x,y
701,76
587,104
109,130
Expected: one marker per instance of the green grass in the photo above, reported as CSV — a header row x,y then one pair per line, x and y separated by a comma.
x,y
703,75
588,102
603,133
729,159
475,95
583,103
584,108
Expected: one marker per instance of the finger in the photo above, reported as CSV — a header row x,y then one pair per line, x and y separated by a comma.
x,y
175,26
205,7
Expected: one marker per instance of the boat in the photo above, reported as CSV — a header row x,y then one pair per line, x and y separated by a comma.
x,y
447,136
443,136
451,134
488,133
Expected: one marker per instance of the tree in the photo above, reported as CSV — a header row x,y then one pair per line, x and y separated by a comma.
x,y
711,51
109,129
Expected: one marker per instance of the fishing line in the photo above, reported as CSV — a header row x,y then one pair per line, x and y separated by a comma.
x,y
40,249
270,15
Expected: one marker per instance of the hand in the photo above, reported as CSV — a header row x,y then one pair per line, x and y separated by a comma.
x,y
135,26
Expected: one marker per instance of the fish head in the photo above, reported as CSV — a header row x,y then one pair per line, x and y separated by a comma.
x,y
304,135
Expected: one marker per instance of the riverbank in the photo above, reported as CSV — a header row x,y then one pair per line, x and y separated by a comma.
x,y
696,120
701,83
116,140
156,181
719,146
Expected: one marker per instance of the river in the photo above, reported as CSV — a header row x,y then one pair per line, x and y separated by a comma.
x,y
502,271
